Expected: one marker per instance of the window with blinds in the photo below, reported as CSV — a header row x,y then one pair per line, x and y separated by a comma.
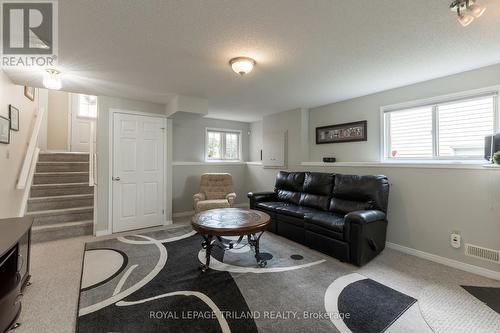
x,y
449,130
223,145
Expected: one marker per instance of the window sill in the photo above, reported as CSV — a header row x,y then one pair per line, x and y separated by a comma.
x,y
464,165
187,163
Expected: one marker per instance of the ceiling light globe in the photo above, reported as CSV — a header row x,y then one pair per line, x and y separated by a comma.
x,y
242,65
52,80
465,19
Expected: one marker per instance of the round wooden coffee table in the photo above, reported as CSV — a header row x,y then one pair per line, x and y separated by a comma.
x,y
215,223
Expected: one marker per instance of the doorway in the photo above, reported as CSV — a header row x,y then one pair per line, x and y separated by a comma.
x,y
138,171
71,122
83,119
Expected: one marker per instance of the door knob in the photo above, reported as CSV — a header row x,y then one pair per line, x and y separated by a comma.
x,y
116,178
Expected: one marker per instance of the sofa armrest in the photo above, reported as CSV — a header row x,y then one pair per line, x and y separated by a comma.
x,y
366,231
261,197
365,216
230,198
198,197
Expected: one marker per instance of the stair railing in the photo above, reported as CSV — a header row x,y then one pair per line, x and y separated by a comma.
x,y
28,163
92,176
24,203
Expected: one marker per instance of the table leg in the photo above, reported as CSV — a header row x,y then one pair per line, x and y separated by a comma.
x,y
207,245
254,241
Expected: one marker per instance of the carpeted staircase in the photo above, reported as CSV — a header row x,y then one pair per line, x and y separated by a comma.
x,y
61,199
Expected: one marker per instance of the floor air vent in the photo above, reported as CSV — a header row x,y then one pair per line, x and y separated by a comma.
x,y
482,253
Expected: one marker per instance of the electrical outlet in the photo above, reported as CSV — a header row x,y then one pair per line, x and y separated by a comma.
x,y
455,239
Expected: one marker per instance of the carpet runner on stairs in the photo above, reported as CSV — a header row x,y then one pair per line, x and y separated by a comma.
x,y
61,199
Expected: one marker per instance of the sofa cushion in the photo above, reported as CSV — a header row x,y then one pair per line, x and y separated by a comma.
x,y
290,181
319,202
330,221
288,219
270,205
373,190
318,229
289,196
295,211
318,183
342,206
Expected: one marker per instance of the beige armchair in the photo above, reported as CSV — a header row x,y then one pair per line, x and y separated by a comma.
x,y
216,191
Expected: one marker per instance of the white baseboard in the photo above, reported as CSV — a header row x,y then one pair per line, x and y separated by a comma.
x,y
191,212
446,261
102,233
182,214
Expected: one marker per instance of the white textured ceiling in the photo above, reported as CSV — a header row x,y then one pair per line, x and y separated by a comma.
x,y
308,52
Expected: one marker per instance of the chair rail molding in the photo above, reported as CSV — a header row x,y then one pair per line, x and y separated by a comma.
x,y
408,164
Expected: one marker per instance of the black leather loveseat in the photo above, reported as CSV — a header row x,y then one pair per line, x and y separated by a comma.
x,y
341,215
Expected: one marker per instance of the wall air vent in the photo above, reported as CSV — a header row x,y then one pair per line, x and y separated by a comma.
x,y
482,253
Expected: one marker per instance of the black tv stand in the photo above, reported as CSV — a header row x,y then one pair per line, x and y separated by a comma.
x,y
15,239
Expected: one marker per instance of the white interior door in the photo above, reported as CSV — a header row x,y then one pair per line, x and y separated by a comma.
x,y
83,115
138,171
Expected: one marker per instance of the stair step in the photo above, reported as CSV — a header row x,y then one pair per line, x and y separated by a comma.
x,y
62,166
59,202
63,157
60,177
46,190
54,216
61,231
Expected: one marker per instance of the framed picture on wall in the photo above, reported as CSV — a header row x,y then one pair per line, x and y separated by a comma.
x,y
29,92
347,132
14,118
4,130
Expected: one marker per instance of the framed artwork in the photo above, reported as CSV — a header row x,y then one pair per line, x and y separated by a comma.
x,y
4,130
29,92
14,118
348,132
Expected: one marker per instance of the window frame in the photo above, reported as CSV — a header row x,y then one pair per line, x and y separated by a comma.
x,y
223,144
434,102
78,104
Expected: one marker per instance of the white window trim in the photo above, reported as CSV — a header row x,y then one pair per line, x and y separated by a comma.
x,y
227,130
78,96
429,102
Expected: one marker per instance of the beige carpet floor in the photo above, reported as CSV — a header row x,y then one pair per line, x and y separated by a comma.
x,y
50,303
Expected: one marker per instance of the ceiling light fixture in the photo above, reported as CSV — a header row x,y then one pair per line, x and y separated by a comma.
x,y
467,10
242,65
51,79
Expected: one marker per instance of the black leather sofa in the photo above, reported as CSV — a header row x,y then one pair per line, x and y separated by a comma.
x,y
341,215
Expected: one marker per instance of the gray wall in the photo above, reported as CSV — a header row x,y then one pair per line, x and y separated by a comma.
x,y
103,155
289,121
255,144
368,108
425,204
189,146
189,137
186,182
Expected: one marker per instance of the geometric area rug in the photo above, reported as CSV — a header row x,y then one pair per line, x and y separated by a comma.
x,y
151,283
